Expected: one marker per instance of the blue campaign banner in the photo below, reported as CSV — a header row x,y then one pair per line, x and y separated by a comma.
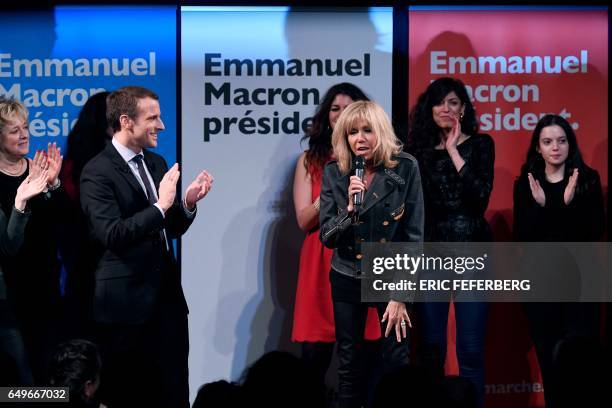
x,y
54,60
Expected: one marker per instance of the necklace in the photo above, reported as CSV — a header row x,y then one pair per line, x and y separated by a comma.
x,y
14,173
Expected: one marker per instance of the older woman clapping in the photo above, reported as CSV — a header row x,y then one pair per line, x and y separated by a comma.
x,y
11,238
32,273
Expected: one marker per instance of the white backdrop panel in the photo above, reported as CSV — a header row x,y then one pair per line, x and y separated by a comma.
x,y
240,257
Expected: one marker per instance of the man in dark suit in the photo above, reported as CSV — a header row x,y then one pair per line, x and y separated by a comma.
x,y
129,197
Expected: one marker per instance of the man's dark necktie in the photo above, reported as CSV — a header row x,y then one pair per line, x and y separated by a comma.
x,y
150,194
145,180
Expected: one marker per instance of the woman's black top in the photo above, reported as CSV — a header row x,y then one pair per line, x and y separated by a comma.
x,y
580,221
455,201
32,275
11,239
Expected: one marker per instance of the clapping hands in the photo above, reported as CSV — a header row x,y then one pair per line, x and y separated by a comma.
x,y
536,190
198,189
49,161
33,185
452,139
538,193
570,189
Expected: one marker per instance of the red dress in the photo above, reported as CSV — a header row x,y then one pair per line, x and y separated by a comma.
x,y
313,314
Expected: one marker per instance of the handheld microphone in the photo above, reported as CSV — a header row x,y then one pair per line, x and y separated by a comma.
x,y
359,166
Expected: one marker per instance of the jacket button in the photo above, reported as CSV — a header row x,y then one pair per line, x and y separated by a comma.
x,y
383,240
358,256
385,223
350,248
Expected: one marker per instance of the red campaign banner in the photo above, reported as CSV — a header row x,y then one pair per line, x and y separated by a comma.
x,y
518,64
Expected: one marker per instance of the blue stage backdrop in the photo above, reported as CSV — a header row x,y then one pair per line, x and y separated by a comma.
x,y
53,60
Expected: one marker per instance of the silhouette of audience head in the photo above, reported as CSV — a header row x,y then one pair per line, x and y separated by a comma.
x,y
76,364
582,376
218,394
418,387
9,373
279,379
407,385
458,392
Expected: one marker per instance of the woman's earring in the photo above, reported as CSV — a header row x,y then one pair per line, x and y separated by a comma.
x,y
461,116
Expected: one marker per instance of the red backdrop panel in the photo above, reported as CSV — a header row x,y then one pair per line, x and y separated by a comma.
x,y
518,65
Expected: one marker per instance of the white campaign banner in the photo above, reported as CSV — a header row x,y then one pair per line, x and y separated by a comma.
x,y
251,80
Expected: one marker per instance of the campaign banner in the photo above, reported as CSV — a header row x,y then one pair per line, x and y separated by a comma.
x,y
518,64
53,60
252,78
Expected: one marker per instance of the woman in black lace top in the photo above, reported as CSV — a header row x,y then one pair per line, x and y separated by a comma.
x,y
456,164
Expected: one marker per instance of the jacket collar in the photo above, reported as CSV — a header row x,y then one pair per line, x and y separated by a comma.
x,y
385,181
123,168
126,154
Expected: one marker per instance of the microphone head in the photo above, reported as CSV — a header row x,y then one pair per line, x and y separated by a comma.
x,y
359,162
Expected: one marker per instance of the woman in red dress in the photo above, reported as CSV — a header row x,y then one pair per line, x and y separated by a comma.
x,y
313,317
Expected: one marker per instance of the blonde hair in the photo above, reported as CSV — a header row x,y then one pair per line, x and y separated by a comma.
x,y
370,113
10,107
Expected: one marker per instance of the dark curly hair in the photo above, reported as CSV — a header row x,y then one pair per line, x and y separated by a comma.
x,y
534,163
424,134
319,133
